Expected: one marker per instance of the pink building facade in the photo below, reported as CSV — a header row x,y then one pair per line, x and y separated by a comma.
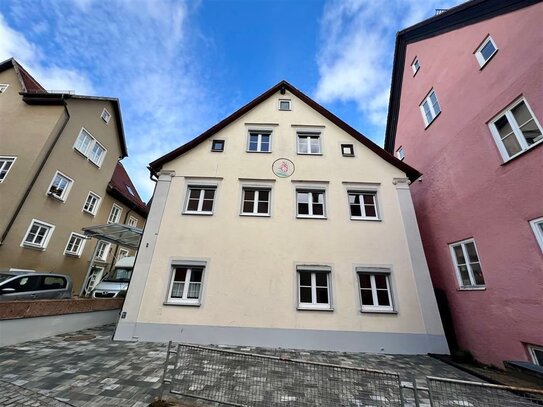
x,y
466,110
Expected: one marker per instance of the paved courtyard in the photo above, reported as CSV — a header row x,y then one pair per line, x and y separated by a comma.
x,y
87,368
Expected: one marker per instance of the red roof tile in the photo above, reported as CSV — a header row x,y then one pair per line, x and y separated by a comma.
x,y
121,187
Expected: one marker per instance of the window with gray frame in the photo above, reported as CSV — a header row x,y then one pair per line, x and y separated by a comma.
x,y
375,292
256,201
363,205
259,141
310,203
314,288
200,199
186,285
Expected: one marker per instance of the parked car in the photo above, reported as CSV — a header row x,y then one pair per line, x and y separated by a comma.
x,y
28,285
115,283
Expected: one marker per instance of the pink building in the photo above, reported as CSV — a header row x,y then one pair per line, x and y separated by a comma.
x,y
466,110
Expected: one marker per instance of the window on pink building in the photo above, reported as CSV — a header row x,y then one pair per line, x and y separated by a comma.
x,y
516,129
467,264
430,108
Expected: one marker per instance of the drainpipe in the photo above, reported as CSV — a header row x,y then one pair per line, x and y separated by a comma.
x,y
36,175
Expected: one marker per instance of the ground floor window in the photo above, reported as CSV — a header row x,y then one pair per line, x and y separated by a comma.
x,y
314,289
186,285
38,234
375,293
536,353
468,266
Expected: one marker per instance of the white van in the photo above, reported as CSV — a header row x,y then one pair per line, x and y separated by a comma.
x,y
116,281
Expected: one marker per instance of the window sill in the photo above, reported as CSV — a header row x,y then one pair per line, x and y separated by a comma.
x,y
55,197
488,60
366,219
309,154
348,155
433,120
474,288
378,311
310,217
256,215
33,247
532,147
75,255
182,304
89,213
258,152
96,165
298,308
198,213
82,154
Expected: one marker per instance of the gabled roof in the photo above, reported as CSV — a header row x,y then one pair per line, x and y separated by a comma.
x,y
156,165
35,94
122,188
465,14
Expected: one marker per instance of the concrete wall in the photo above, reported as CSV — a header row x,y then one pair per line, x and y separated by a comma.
x,y
467,191
250,281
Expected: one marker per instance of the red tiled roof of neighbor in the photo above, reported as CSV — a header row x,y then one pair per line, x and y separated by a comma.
x,y
31,84
121,186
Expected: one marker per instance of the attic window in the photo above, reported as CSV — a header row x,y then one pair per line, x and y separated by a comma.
x,y
130,190
3,87
105,116
400,153
486,51
415,66
217,146
284,104
347,150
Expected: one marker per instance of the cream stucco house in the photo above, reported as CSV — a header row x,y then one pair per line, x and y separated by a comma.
x,y
282,226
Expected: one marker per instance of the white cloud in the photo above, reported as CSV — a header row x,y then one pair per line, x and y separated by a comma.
x,y
357,44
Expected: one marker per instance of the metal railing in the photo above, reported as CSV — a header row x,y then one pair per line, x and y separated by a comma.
x,y
452,392
248,379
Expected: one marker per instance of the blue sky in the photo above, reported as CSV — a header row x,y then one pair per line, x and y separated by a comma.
x,y
180,67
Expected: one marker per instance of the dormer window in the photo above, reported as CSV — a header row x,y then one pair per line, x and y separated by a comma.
x,y
486,51
105,116
284,104
415,66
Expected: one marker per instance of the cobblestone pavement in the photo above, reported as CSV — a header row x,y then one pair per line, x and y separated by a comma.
x,y
13,395
88,369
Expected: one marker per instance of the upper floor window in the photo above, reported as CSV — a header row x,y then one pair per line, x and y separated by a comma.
x,y
3,87
256,201
105,116
92,203
310,203
486,51
115,214
102,250
516,129
347,150
467,264
309,143
259,141
217,146
375,293
60,186
75,245
314,288
5,165
400,153
363,205
132,221
38,234
415,66
284,104
122,253
200,199
536,353
537,227
430,108
186,285
87,145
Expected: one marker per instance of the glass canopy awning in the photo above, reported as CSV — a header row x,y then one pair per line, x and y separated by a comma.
x,y
116,233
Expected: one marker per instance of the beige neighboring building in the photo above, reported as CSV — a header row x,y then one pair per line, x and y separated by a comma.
x,y
59,153
282,226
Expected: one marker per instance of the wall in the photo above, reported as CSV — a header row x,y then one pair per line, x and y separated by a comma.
x,y
250,283
467,191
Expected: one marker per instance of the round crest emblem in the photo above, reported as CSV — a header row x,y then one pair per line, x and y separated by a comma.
x,y
283,167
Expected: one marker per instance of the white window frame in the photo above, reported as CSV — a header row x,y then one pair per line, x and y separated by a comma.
x,y
478,52
98,201
310,191
349,148
132,221
400,153
431,108
202,188
415,65
88,151
3,87
471,276
65,192
43,245
257,190
102,251
531,351
517,133
80,248
306,136
372,272
122,253
363,215
537,227
4,160
105,116
260,133
117,217
289,101
185,300
314,305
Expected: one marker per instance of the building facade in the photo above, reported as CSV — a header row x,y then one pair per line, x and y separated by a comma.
x,y
58,153
468,115
282,226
